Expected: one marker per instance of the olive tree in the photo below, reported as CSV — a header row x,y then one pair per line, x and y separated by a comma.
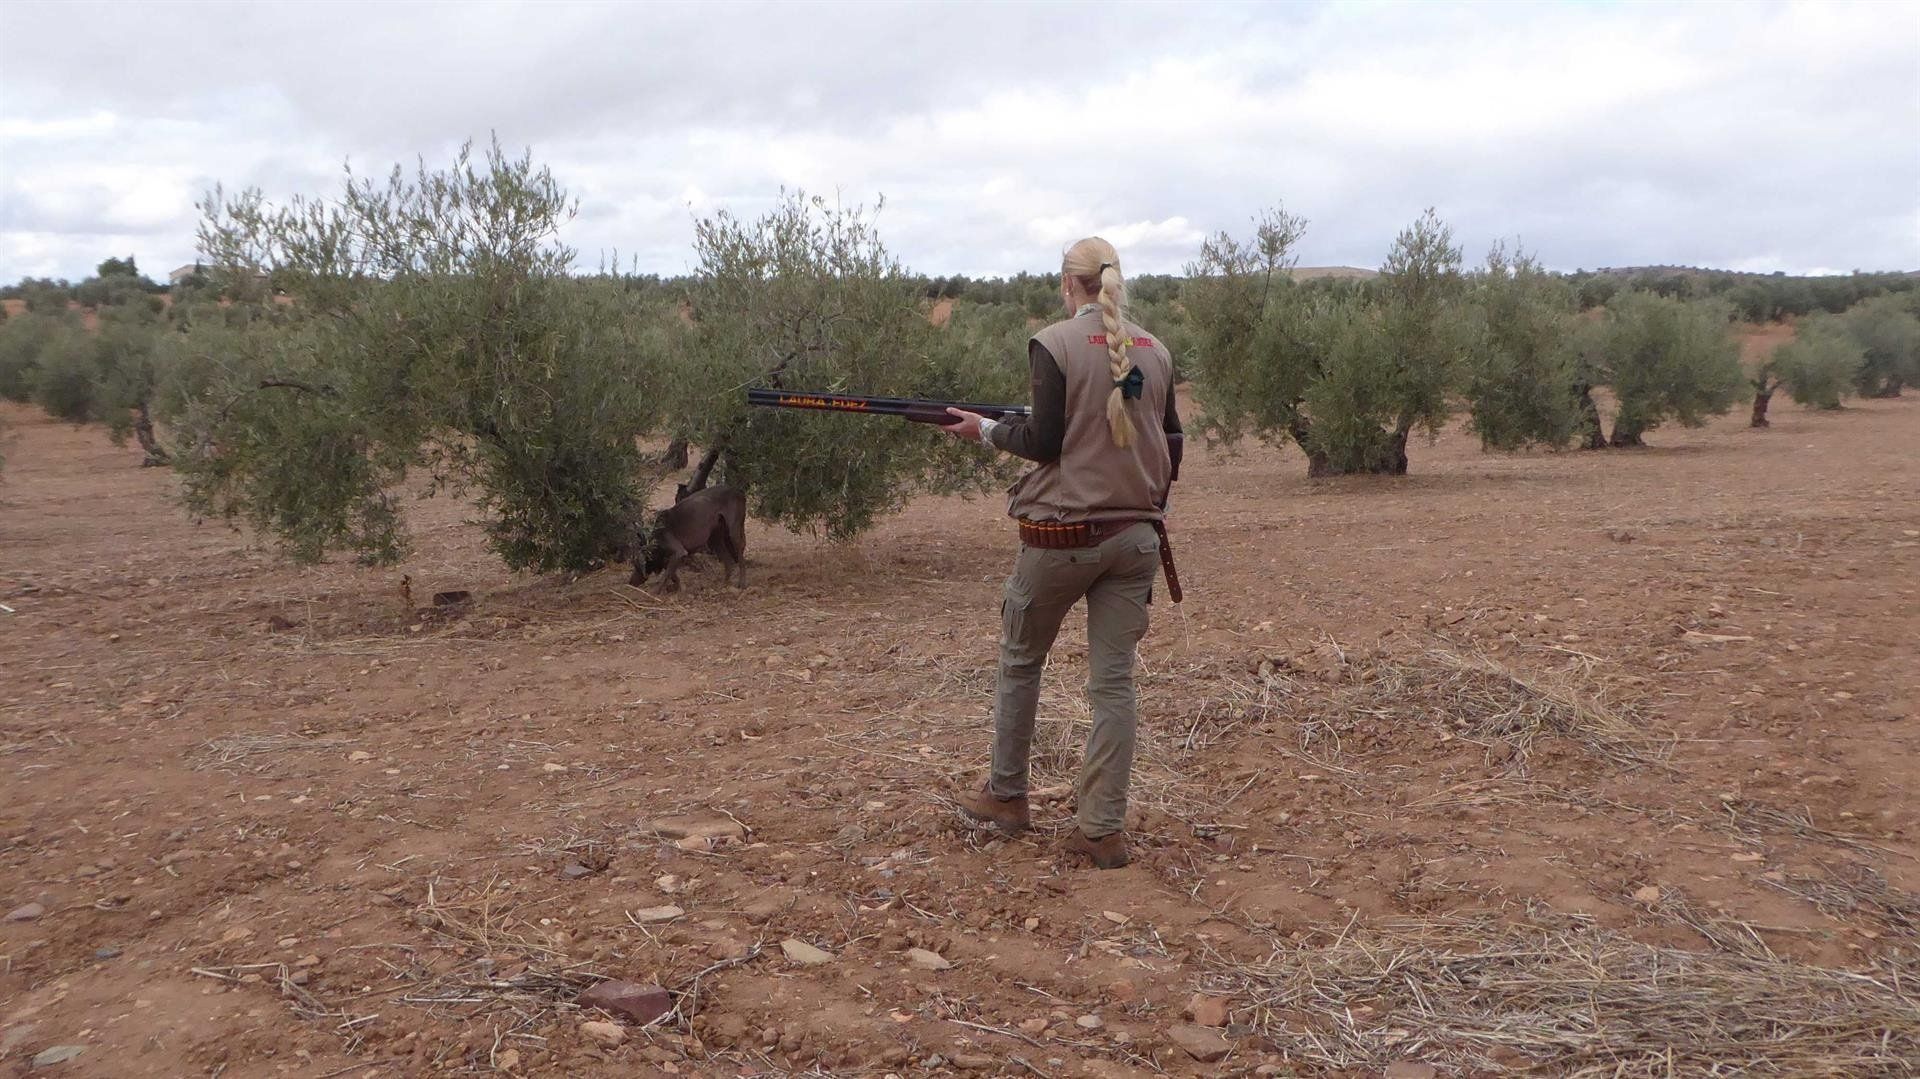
x,y
1522,379
432,327
1346,374
1888,334
24,342
1817,368
807,297
1665,359
1820,365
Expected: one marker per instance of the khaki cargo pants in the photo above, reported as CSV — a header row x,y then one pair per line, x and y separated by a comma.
x,y
1116,578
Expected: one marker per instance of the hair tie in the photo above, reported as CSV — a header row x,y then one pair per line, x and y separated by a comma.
x,y
1131,386
1105,265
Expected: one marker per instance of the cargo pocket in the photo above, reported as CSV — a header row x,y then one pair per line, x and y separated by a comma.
x,y
1150,549
1014,604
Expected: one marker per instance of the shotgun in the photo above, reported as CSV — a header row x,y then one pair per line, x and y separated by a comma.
x,y
911,409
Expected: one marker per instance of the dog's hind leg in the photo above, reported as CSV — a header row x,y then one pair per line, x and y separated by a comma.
x,y
729,552
737,536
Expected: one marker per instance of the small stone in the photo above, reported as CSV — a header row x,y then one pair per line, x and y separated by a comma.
x,y
307,961
650,915
607,1034
1033,1027
630,1000
359,755
1089,1022
553,766
1203,1044
972,1062
1648,895
11,1040
1114,916
926,960
106,953
235,935
799,951
699,827
1410,1069
59,1054
1031,924
27,913
894,1056
1209,1011
574,871
667,883
507,1060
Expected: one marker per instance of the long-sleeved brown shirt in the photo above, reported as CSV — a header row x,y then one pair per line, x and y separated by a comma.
x,y
1039,437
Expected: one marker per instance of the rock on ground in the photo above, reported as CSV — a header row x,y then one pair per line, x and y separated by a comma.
x,y
608,1034
799,951
58,1054
1210,1011
1203,1044
630,1000
926,960
699,826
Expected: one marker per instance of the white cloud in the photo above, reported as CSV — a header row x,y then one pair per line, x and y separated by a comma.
x,y
1770,136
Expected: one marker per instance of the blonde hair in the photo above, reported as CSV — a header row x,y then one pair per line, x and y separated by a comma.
x,y
1096,266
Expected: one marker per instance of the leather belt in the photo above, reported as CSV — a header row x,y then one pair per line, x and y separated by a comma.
x,y
1057,534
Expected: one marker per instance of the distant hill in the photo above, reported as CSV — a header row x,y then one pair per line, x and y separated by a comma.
x,y
1709,271
1349,273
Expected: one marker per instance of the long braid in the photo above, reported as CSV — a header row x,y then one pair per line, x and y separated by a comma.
x,y
1119,423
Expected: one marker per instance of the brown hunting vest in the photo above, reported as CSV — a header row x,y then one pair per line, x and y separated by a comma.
x,y
1095,480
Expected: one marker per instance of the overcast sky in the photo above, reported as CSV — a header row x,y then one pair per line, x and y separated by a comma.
x,y
1748,136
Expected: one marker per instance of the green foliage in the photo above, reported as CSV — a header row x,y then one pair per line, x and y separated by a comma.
x,y
67,383
434,327
807,297
24,341
1346,373
1819,365
1251,357
1665,359
1521,377
1888,334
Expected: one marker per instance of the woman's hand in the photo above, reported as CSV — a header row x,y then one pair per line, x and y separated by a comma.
x,y
966,425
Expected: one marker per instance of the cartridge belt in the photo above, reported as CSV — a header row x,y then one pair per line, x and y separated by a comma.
x,y
1058,534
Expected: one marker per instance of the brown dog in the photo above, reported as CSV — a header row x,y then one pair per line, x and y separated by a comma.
x,y
712,521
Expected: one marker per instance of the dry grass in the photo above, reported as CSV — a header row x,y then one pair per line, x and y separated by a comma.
x,y
1856,890
1327,692
1485,995
233,749
1483,698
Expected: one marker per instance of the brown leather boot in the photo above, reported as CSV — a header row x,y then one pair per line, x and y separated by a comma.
x,y
1008,814
1107,852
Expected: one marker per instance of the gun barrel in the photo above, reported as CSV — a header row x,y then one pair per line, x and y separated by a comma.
x,y
915,409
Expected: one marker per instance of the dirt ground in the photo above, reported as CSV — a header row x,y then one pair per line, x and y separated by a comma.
x,y
1546,764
